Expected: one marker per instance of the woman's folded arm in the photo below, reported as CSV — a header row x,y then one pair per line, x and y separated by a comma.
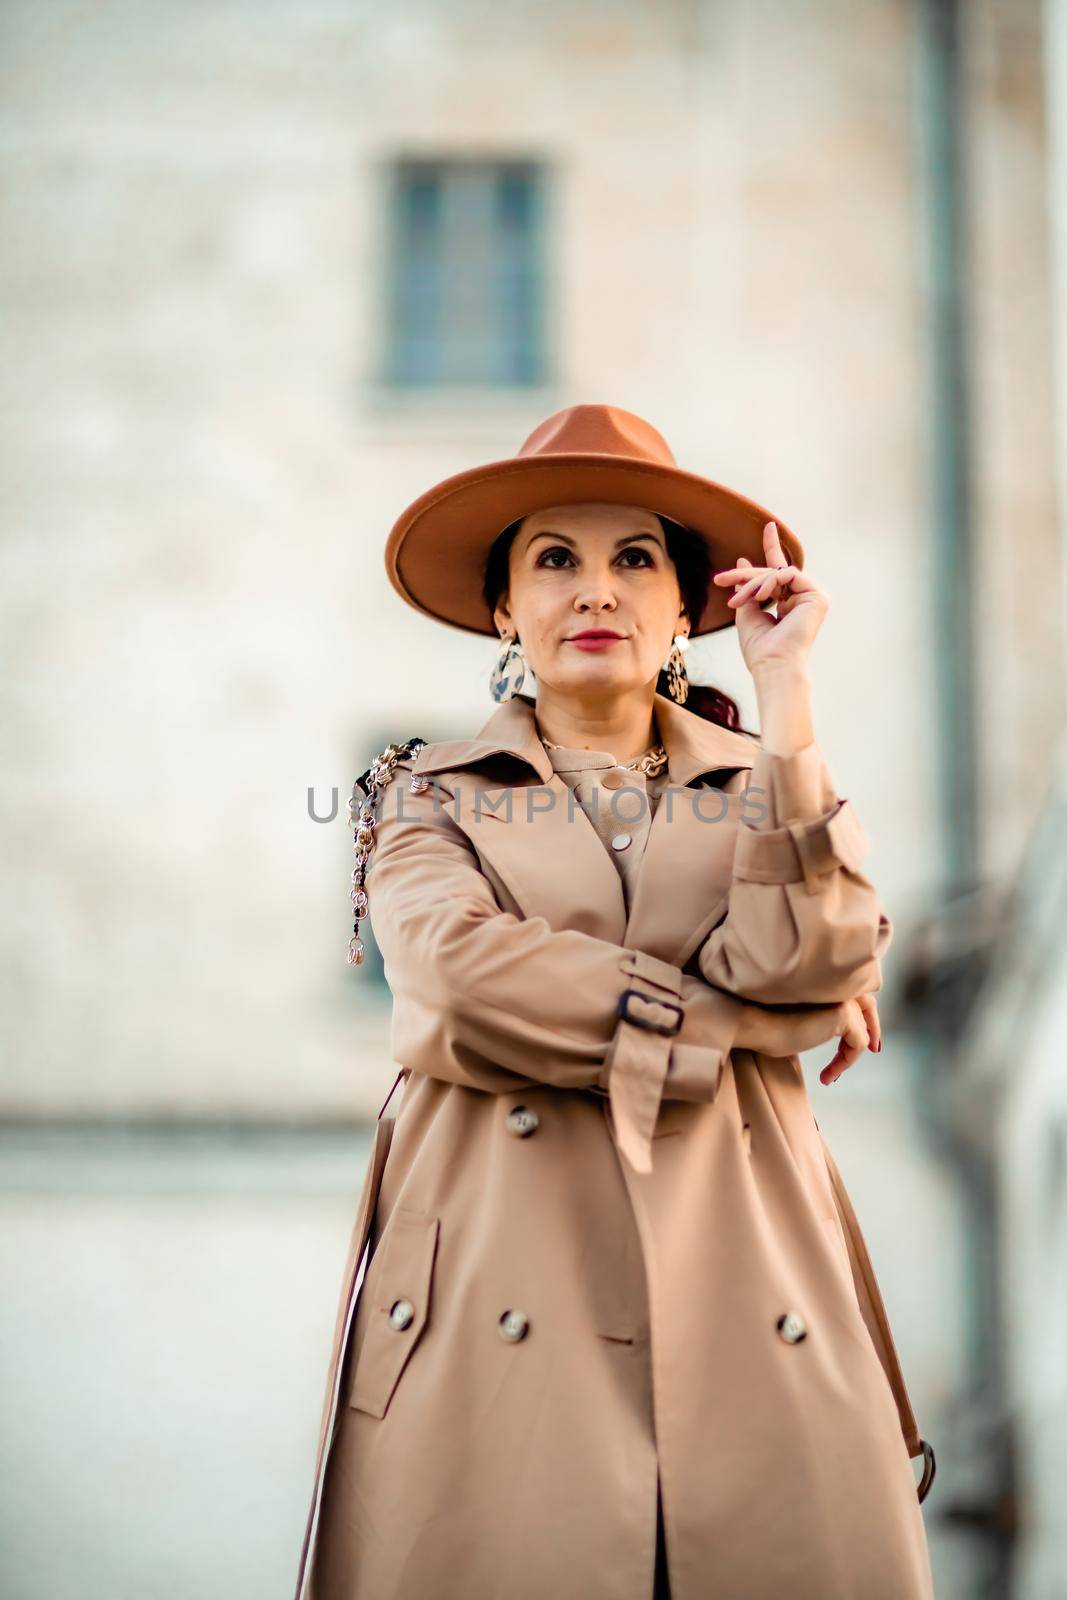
x,y
496,1002
483,997
802,923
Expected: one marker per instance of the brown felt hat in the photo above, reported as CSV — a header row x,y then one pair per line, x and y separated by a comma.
x,y
436,553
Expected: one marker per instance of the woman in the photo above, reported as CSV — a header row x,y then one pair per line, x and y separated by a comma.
x,y
617,1333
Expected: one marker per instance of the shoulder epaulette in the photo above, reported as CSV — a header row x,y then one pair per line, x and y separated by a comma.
x,y
363,816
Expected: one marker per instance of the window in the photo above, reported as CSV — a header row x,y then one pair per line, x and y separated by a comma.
x,y
466,279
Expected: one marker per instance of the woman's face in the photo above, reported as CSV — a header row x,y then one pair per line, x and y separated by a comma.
x,y
577,568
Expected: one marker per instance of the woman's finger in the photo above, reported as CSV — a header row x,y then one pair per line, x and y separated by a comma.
x,y
762,585
744,592
772,543
741,598
854,1041
796,580
737,574
845,1056
745,569
869,1006
788,603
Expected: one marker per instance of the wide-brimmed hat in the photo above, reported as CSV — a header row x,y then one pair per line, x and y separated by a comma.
x,y
436,552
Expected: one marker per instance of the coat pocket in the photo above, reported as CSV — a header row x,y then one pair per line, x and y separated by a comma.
x,y
398,1309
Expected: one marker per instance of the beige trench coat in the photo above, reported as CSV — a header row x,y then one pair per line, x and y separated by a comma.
x,y
597,1246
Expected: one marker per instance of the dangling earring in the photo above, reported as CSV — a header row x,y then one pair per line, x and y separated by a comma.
x,y
509,672
674,666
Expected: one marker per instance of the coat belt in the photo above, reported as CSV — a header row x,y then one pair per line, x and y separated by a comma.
x,y
637,1059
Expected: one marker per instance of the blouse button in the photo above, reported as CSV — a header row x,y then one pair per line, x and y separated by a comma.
x,y
620,841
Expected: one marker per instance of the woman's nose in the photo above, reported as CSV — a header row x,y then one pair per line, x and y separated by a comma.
x,y
595,595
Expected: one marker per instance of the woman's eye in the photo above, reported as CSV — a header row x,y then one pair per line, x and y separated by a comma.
x,y
644,557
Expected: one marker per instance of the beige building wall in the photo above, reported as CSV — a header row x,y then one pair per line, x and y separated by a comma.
x,y
201,468
199,471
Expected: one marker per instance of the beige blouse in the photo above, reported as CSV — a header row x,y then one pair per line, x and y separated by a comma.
x,y
619,803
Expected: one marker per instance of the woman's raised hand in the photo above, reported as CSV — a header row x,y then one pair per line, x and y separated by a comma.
x,y
785,639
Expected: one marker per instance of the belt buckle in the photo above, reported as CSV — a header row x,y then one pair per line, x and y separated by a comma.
x,y
670,1028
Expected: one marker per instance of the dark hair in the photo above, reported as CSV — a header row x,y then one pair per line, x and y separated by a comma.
x,y
692,562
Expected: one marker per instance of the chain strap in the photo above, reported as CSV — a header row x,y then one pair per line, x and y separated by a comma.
x,y
363,811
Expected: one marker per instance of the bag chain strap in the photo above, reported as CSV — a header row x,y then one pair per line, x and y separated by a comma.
x,y
363,816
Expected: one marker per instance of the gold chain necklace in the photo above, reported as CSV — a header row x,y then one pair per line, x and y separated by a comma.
x,y
651,763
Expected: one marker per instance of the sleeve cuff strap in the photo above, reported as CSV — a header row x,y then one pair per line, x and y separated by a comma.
x,y
696,1072
805,851
638,1057
656,994
652,972
795,788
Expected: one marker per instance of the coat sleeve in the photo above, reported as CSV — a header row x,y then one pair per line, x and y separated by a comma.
x,y
494,1002
802,924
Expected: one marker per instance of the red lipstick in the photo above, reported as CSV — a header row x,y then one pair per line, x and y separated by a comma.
x,y
595,639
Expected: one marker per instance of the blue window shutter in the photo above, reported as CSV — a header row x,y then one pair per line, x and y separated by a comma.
x,y
466,278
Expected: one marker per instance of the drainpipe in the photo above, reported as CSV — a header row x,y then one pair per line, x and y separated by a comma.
x,y
953,954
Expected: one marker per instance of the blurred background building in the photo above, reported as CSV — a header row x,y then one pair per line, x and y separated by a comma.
x,y
267,273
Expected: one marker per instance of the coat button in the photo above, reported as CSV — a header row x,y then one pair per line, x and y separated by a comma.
x,y
513,1326
791,1327
612,780
522,1121
401,1314
620,841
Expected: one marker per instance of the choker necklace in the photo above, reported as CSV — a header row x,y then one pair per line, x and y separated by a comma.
x,y
651,763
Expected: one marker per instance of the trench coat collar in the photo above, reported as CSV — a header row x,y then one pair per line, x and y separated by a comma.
x,y
563,873
694,745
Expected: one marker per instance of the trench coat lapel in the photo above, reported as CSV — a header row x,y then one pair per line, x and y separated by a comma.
x,y
684,880
533,834
546,850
